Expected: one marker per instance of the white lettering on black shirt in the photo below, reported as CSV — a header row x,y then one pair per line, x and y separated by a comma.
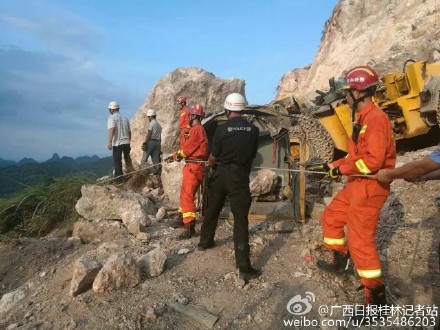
x,y
248,129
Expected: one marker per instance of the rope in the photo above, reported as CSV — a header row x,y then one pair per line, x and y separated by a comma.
x,y
315,172
292,170
147,168
256,167
128,173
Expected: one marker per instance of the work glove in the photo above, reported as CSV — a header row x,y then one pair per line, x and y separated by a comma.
x,y
144,146
169,159
334,173
177,156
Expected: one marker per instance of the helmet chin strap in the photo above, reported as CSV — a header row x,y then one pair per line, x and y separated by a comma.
x,y
354,106
191,120
356,102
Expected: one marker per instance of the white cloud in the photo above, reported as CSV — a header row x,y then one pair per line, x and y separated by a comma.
x,y
56,30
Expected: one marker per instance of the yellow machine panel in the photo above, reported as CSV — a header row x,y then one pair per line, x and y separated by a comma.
x,y
400,97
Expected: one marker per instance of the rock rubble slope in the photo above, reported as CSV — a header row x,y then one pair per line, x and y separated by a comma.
x,y
37,274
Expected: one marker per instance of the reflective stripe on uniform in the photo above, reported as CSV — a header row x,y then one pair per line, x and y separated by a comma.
x,y
334,241
362,167
363,129
179,210
372,273
189,215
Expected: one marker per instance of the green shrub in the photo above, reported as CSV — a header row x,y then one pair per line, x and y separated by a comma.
x,y
37,210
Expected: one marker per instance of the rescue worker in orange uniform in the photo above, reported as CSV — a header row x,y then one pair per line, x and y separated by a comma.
x,y
357,207
184,127
184,124
194,150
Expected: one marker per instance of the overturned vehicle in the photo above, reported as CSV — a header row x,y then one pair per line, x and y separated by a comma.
x,y
294,136
290,139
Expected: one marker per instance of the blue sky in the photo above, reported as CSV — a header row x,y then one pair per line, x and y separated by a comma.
x,y
61,62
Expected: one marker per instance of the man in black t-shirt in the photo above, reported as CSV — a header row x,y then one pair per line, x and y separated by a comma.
x,y
234,148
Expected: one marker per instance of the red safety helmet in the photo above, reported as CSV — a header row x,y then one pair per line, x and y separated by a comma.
x,y
197,109
361,78
181,99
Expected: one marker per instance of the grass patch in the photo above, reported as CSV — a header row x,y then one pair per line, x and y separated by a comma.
x,y
37,210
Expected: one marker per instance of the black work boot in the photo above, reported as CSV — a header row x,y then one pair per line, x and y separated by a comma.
x,y
248,273
160,191
339,265
189,230
178,223
373,297
202,247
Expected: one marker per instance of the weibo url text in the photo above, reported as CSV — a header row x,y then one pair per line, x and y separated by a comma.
x,y
377,321
371,316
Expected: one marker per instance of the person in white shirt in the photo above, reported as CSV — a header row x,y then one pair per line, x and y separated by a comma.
x,y
151,146
119,136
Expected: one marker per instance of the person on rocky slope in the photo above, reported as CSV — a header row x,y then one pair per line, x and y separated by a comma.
x,y
119,136
152,147
194,150
152,144
357,207
234,148
184,127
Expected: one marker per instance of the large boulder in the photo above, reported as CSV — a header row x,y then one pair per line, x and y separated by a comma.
x,y
84,273
172,180
153,263
198,85
263,183
97,231
11,299
119,271
110,203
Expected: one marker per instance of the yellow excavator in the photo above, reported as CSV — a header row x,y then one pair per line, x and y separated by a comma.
x,y
410,99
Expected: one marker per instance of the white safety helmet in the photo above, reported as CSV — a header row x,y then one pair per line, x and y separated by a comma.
x,y
151,112
235,102
113,105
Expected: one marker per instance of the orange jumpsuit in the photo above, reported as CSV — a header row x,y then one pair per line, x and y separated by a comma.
x,y
358,205
183,123
194,147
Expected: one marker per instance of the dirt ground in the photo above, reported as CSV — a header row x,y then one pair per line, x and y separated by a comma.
x,y
408,241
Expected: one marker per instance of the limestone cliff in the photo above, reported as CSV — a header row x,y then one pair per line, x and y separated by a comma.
x,y
383,34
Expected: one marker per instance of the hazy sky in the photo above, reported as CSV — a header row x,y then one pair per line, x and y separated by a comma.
x,y
61,62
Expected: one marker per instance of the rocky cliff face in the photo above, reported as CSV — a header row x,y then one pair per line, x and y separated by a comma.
x,y
197,85
383,34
